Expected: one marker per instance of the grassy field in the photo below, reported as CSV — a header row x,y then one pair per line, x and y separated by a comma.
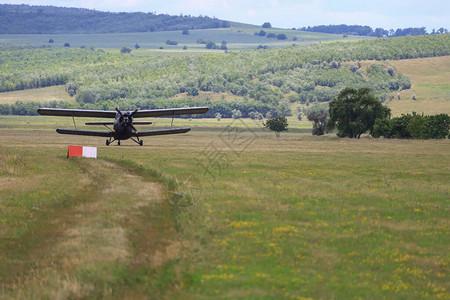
x,y
53,93
223,212
430,84
240,36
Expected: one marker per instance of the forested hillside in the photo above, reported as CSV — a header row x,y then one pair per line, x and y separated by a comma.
x,y
50,19
260,80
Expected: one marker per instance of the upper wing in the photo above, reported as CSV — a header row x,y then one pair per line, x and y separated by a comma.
x,y
162,131
112,123
99,123
84,132
111,113
170,112
76,113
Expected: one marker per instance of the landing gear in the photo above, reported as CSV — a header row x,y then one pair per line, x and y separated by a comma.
x,y
138,141
110,140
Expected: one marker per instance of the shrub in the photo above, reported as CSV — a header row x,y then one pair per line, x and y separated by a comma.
x,y
211,45
5,109
254,115
236,114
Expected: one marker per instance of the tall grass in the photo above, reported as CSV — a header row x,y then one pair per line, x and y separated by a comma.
x,y
318,218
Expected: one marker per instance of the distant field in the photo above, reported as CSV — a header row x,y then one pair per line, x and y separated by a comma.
x,y
222,213
430,78
240,37
46,94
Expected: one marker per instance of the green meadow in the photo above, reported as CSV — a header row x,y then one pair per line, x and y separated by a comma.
x,y
430,85
226,211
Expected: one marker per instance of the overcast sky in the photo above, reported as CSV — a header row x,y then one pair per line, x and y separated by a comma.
x,y
284,13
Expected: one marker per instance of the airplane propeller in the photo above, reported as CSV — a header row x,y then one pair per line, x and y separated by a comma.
x,y
117,109
137,109
129,121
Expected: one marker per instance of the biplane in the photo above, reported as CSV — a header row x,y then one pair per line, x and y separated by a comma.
x,y
123,124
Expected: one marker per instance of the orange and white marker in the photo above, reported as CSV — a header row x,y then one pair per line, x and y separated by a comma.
x,y
77,151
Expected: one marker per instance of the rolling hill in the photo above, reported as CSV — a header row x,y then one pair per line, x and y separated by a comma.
x,y
49,26
26,19
238,36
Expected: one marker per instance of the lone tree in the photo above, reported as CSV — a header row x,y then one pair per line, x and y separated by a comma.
x,y
319,117
277,124
354,111
267,25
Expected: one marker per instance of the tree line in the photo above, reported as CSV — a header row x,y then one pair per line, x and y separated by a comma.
x,y
368,31
226,109
19,19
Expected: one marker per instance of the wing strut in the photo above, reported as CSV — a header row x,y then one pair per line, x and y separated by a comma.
x,y
73,118
173,116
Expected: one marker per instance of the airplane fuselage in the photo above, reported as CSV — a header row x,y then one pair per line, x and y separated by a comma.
x,y
123,128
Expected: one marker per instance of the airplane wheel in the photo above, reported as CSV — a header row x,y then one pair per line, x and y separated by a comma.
x,y
107,142
141,143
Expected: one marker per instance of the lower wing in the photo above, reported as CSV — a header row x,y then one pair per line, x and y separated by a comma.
x,y
84,132
111,134
162,131
112,123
